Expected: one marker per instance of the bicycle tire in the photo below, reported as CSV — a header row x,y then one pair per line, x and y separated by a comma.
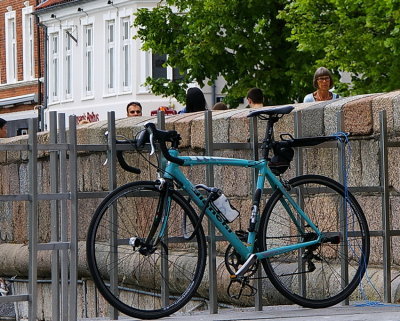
x,y
139,290
290,272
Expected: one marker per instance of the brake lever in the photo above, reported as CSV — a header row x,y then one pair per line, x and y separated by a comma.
x,y
153,150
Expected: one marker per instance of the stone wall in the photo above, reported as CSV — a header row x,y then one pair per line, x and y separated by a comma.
x,y
361,119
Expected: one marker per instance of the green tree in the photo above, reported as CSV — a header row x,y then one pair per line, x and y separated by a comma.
x,y
240,40
358,36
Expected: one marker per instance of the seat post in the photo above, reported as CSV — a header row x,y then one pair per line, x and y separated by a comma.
x,y
266,144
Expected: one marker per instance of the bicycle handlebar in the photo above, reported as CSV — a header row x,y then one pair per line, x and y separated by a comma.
x,y
121,159
161,137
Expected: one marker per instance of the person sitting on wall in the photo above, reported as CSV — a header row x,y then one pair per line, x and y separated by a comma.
x,y
3,128
255,98
220,106
323,82
195,101
134,109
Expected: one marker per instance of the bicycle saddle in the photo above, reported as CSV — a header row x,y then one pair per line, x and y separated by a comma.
x,y
272,111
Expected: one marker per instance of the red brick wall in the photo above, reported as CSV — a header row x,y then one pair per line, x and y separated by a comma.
x,y
6,91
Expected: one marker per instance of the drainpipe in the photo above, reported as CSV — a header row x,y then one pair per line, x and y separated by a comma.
x,y
43,76
213,94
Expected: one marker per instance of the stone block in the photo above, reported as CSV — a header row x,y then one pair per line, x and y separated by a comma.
x,y
13,155
227,177
93,133
358,116
321,161
396,114
331,111
183,127
384,102
353,163
197,132
370,160
221,124
394,168
312,118
239,127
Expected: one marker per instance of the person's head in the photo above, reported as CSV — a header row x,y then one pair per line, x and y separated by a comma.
x,y
134,109
322,77
195,100
3,128
255,97
220,106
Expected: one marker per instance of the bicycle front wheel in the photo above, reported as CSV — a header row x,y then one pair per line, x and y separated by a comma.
x,y
326,273
141,281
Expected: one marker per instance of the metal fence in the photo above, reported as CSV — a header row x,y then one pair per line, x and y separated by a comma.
x,y
64,197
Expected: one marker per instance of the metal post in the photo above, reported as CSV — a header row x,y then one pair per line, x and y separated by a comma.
x,y
73,161
164,252
112,170
64,257
298,132
33,219
254,146
212,249
55,228
385,207
343,210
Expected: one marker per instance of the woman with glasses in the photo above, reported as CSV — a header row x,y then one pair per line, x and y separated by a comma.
x,y
323,82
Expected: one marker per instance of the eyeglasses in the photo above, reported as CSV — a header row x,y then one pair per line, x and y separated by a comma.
x,y
135,112
323,78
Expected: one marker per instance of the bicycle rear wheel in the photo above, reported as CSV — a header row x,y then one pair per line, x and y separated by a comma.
x,y
327,273
145,282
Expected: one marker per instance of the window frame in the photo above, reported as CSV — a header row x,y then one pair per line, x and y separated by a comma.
x,y
68,63
110,57
125,55
28,33
54,66
11,46
88,50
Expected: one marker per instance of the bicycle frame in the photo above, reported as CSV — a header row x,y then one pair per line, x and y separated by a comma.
x,y
172,171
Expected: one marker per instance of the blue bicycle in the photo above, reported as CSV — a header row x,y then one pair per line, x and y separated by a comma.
x,y
146,247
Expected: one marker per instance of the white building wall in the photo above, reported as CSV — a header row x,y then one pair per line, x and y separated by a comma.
x,y
96,13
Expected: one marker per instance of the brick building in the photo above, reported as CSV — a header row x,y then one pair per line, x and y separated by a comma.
x,y
21,64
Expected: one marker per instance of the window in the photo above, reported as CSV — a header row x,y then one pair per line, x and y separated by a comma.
x,y
157,68
125,54
110,56
28,44
67,65
11,47
88,60
159,71
54,67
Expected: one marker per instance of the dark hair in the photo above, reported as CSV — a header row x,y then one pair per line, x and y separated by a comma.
x,y
321,72
195,100
2,122
220,106
256,95
133,103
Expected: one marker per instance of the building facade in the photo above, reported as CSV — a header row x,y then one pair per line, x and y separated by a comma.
x,y
93,65
21,64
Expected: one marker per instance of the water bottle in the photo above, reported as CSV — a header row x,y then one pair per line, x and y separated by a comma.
x,y
227,210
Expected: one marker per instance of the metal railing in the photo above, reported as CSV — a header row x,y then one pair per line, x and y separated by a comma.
x,y
64,197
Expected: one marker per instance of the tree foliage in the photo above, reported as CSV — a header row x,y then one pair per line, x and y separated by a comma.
x,y
240,40
358,36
